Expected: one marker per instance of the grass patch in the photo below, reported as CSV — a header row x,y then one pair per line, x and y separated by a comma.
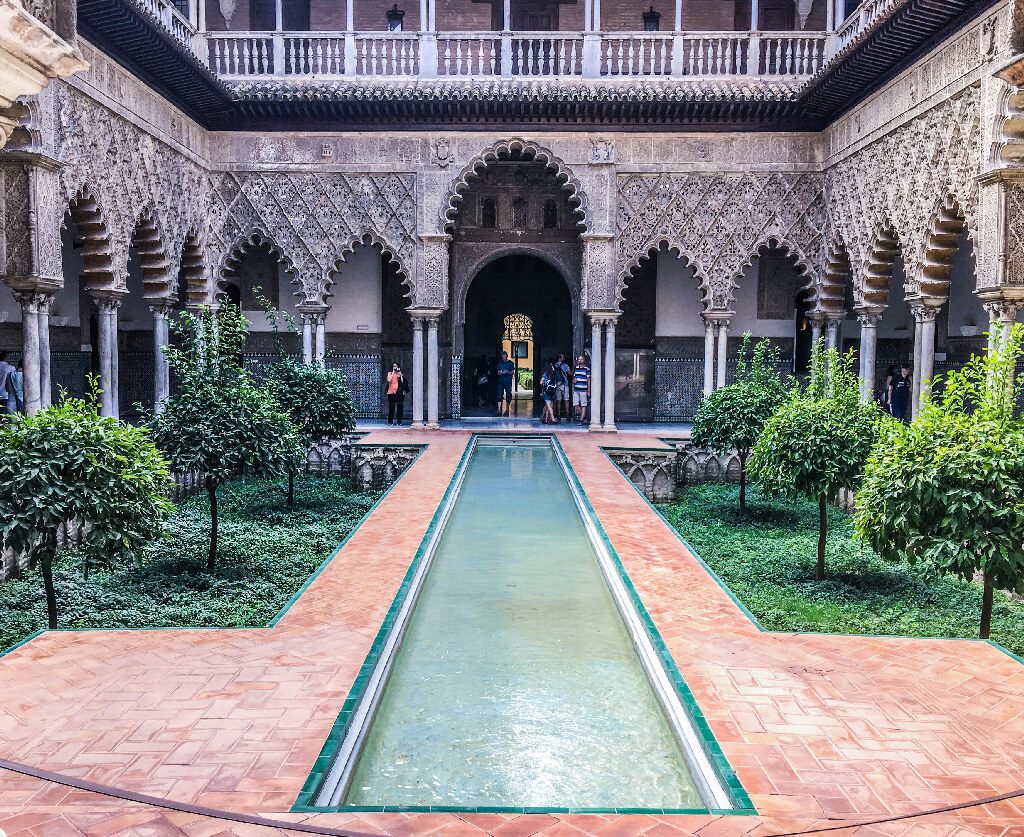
x,y
767,559
267,551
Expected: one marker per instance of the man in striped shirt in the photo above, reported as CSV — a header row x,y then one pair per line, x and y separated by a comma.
x,y
580,388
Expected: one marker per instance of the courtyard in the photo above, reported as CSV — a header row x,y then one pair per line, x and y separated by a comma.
x,y
820,729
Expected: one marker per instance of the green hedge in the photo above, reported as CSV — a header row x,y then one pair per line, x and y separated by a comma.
x,y
767,559
267,551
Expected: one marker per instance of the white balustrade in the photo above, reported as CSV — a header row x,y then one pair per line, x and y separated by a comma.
x,y
314,55
529,54
547,53
641,54
864,17
251,54
467,54
387,54
164,12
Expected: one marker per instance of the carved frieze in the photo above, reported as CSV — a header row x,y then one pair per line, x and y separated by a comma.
x,y
719,221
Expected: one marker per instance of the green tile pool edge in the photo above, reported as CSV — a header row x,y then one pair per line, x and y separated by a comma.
x,y
280,614
746,612
304,802
322,764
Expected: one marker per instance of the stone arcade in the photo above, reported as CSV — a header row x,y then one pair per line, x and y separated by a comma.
x,y
644,196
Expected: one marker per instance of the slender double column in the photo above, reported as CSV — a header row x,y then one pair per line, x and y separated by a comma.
x,y
709,356
868,351
1002,314
320,341
107,340
433,364
924,352
30,354
722,327
833,327
307,338
609,374
417,371
595,372
161,371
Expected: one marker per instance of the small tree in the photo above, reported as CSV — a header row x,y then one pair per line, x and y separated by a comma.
x,y
318,402
731,418
219,422
947,491
818,440
68,465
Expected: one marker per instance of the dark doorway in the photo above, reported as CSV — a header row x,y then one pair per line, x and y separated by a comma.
x,y
535,291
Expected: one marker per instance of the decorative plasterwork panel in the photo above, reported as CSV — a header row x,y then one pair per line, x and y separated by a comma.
x,y
902,181
127,170
719,221
315,219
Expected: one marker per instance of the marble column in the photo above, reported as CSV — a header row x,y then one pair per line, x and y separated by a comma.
x,y
609,375
709,356
320,342
832,327
1002,314
307,338
433,363
926,362
868,351
595,373
107,322
30,351
45,385
723,352
916,371
161,371
815,333
417,371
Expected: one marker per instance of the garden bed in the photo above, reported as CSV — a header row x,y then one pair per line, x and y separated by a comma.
x,y
767,560
267,551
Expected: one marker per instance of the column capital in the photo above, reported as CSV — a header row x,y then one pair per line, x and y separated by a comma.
x,y
162,307
34,300
718,316
868,320
603,316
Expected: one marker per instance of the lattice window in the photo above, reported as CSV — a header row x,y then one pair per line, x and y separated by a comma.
x,y
518,328
550,214
489,213
519,214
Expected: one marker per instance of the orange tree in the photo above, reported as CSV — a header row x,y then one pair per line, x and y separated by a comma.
x,y
69,465
818,441
947,490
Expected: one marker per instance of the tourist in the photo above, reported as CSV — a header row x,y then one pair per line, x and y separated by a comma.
x,y
563,388
506,371
549,387
580,388
17,387
890,373
482,377
397,388
7,400
899,395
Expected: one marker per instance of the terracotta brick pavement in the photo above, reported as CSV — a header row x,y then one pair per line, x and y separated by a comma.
x,y
821,730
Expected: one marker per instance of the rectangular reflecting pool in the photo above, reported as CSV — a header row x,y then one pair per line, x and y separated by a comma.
x,y
514,680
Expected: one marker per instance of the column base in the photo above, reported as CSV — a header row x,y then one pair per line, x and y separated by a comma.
x,y
609,428
431,425
417,425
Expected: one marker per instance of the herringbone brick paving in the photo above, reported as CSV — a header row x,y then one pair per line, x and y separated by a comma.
x,y
821,730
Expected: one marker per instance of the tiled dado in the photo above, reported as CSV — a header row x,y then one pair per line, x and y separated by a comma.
x,y
821,730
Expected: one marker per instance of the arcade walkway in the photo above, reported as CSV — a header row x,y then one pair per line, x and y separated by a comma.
x,y
821,730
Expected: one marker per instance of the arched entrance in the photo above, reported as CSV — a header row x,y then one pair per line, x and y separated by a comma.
x,y
508,297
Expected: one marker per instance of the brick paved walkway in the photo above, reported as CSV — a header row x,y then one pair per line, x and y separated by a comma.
x,y
821,730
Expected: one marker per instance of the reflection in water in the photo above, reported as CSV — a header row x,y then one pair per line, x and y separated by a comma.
x,y
517,683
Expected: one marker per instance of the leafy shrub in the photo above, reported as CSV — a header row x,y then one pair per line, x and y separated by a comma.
x,y
271,550
762,558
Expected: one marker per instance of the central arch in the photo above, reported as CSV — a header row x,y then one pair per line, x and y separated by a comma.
x,y
514,284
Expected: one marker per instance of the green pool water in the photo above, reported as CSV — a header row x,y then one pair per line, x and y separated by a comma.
x,y
517,684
